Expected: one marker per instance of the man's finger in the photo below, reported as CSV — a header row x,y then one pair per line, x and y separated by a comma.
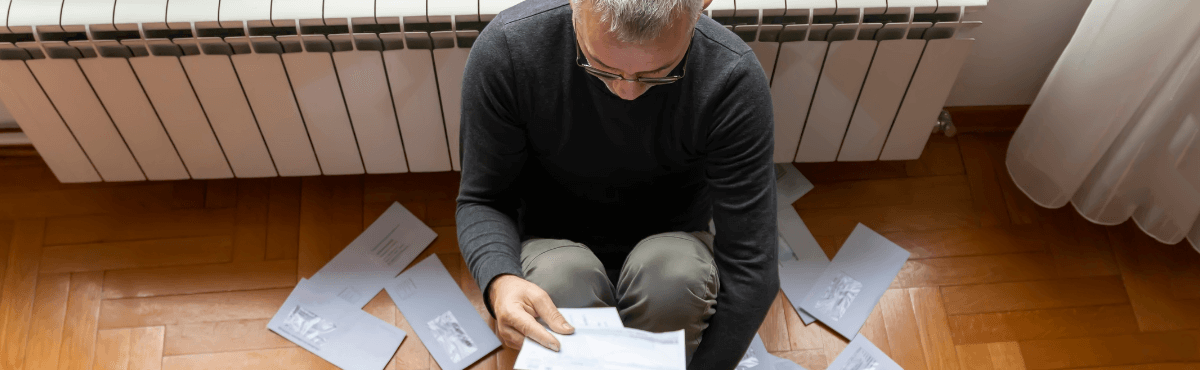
x,y
549,313
511,337
530,328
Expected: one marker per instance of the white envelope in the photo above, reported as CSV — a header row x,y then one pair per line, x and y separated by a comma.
x,y
440,313
861,354
608,349
335,330
790,185
798,274
852,284
374,258
757,358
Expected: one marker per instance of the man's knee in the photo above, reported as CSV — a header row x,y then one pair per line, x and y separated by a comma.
x,y
568,272
669,271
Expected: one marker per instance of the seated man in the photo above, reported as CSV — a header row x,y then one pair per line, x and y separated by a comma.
x,y
599,137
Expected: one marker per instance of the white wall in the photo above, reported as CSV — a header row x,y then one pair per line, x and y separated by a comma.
x,y
1015,49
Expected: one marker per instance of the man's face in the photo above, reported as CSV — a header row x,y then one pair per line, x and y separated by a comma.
x,y
652,58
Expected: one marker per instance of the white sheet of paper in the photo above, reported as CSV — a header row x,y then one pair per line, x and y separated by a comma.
x,y
861,354
757,358
440,313
797,275
598,317
784,250
374,258
607,349
790,185
852,284
335,330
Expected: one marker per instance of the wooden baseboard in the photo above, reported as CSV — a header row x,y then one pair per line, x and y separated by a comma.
x,y
18,151
988,118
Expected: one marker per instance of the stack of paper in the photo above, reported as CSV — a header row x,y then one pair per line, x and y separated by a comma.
x,y
841,293
324,314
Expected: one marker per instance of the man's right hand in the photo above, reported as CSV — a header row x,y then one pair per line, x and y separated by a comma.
x,y
517,303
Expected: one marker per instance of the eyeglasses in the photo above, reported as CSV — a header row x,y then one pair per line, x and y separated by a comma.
x,y
652,81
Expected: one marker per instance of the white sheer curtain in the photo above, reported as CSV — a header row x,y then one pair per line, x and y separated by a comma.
x,y
1115,130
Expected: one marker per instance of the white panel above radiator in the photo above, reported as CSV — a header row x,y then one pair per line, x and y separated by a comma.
x,y
85,12
132,12
34,13
193,11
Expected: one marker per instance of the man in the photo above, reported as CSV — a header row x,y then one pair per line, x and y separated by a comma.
x,y
599,137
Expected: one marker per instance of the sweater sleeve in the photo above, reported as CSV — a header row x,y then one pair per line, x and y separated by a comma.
x,y
742,183
493,152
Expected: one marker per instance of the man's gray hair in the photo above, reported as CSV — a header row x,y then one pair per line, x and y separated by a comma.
x,y
637,21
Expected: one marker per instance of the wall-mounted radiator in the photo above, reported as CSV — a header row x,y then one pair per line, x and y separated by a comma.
x,y
132,90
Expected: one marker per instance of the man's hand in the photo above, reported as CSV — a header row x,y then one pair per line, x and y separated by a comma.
x,y
517,302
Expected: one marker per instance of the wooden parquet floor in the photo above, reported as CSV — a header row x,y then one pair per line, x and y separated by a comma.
x,y
184,275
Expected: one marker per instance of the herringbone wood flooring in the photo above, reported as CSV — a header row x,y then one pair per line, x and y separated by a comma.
x,y
184,275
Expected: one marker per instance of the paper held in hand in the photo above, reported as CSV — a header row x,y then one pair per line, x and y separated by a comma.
x,y
601,342
607,349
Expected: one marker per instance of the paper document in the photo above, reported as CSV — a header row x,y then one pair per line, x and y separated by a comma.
x,y
374,258
335,330
852,284
757,358
785,251
608,349
440,313
790,185
600,317
798,274
861,354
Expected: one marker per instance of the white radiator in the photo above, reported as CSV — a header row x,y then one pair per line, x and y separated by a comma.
x,y
132,90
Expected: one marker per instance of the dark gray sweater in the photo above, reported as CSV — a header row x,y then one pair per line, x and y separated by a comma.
x,y
549,152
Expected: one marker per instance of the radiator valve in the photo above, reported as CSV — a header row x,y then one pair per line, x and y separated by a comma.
x,y
945,125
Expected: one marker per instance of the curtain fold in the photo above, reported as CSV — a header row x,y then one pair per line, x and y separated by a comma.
x,y
1115,130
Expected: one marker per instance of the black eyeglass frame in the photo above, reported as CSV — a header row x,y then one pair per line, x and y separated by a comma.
x,y
651,81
